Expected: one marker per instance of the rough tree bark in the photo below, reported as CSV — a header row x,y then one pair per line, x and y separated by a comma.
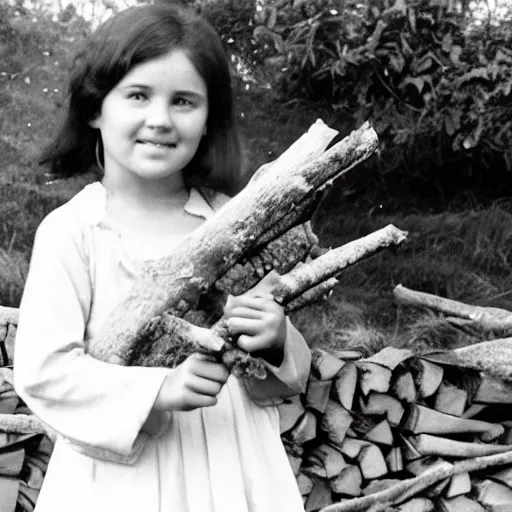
x,y
279,197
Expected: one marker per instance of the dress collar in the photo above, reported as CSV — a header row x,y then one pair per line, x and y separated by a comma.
x,y
92,203
197,205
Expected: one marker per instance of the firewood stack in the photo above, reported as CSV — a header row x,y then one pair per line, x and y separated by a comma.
x,y
404,431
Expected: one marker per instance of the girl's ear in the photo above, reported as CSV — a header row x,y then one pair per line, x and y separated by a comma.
x,y
94,123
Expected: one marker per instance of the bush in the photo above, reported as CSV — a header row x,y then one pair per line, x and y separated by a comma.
x,y
435,83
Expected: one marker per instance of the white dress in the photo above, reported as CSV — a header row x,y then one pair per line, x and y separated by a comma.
x,y
226,458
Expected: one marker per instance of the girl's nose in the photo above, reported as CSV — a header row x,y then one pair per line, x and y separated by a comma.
x,y
159,117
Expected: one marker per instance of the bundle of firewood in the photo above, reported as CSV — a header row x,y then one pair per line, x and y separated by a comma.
x,y
24,450
400,430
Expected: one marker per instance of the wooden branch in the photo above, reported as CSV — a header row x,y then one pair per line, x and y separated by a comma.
x,y
21,424
408,488
175,339
248,220
483,317
330,264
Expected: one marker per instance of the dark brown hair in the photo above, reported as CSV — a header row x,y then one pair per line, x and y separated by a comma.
x,y
131,37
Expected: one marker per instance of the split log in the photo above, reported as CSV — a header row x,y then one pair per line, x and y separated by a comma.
x,y
335,422
404,388
319,497
304,430
317,394
451,399
345,385
369,457
277,199
421,419
373,377
430,378
324,365
459,484
417,505
331,459
495,495
394,460
348,482
460,504
305,484
427,444
289,413
380,434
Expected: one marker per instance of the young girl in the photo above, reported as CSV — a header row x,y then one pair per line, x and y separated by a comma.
x,y
150,101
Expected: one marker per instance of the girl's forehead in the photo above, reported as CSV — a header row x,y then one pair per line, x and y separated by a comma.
x,y
174,69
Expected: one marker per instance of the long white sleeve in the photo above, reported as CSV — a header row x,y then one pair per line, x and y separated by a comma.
x,y
99,407
289,378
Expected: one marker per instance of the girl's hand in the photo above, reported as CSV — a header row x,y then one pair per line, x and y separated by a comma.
x,y
194,383
259,322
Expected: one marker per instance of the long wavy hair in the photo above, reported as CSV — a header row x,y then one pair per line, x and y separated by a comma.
x,y
129,38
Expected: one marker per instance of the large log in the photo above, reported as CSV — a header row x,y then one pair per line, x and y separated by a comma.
x,y
279,198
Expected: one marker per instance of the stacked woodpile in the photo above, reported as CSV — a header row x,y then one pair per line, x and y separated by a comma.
x,y
25,448
399,430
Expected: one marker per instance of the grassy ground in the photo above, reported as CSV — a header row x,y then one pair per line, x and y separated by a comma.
x,y
463,255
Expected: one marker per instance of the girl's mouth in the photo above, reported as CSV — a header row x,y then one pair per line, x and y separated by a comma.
x,y
162,145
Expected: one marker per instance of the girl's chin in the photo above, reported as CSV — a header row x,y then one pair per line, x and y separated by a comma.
x,y
157,174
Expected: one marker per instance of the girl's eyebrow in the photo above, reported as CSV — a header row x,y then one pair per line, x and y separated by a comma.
x,y
186,92
181,92
135,86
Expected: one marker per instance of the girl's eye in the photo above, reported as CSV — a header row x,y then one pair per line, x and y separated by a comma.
x,y
137,96
182,102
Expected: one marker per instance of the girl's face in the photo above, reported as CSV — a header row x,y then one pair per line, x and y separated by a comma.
x,y
153,120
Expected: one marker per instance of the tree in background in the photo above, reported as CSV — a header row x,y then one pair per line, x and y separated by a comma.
x,y
434,76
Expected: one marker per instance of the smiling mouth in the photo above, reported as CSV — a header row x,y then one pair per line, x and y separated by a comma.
x,y
162,145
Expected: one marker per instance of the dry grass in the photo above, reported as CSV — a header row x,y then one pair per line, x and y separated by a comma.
x,y
13,272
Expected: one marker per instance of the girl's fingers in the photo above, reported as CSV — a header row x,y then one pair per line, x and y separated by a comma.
x,y
203,386
252,343
211,370
245,312
258,302
204,357
243,326
201,401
